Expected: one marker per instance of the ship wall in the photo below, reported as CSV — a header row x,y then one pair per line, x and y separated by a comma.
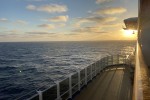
x,y
144,29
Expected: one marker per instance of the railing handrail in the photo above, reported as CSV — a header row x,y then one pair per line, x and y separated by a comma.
x,y
138,88
98,66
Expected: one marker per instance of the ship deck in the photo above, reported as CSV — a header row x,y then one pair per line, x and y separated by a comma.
x,y
114,83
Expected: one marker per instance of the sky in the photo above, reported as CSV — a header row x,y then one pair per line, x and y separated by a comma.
x,y
65,20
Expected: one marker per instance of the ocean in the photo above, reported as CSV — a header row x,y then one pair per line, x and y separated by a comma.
x,y
26,66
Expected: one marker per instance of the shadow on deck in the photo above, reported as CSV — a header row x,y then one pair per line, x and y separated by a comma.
x,y
115,83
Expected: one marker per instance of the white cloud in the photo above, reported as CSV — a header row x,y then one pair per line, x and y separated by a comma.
x,y
12,31
22,22
49,8
81,21
93,29
35,0
112,25
95,19
58,19
48,26
111,10
3,20
9,33
103,1
39,33
31,7
61,25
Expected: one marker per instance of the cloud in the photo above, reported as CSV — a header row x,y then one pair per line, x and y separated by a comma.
x,y
101,19
22,22
103,1
58,19
49,8
97,19
112,25
31,7
61,25
48,26
40,33
9,33
90,30
3,20
81,21
72,34
35,0
111,10
13,31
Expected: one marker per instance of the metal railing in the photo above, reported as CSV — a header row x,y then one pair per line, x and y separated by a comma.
x,y
66,88
137,93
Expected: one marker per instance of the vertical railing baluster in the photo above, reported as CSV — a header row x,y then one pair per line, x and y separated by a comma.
x,y
118,59
70,87
79,78
91,72
86,76
96,64
40,95
95,69
107,61
58,91
100,66
112,59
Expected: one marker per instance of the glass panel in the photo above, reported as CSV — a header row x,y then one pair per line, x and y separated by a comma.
x,y
65,96
50,93
97,67
82,75
105,62
64,86
88,73
115,59
121,60
110,60
33,95
102,63
34,98
74,82
93,69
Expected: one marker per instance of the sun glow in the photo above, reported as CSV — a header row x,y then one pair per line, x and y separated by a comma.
x,y
130,33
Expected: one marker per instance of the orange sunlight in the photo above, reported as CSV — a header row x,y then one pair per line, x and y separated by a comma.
x,y
130,34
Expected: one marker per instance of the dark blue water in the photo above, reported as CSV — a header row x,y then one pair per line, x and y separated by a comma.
x,y
27,66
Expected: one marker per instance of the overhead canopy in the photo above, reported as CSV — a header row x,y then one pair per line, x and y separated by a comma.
x,y
131,23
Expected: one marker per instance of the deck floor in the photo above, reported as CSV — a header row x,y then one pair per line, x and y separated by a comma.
x,y
112,84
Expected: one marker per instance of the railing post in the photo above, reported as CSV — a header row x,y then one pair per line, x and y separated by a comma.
x,y
100,65
112,59
95,68
125,60
118,59
107,60
91,73
58,91
79,78
70,86
40,95
86,76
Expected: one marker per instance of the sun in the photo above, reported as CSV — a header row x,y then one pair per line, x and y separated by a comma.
x,y
130,33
